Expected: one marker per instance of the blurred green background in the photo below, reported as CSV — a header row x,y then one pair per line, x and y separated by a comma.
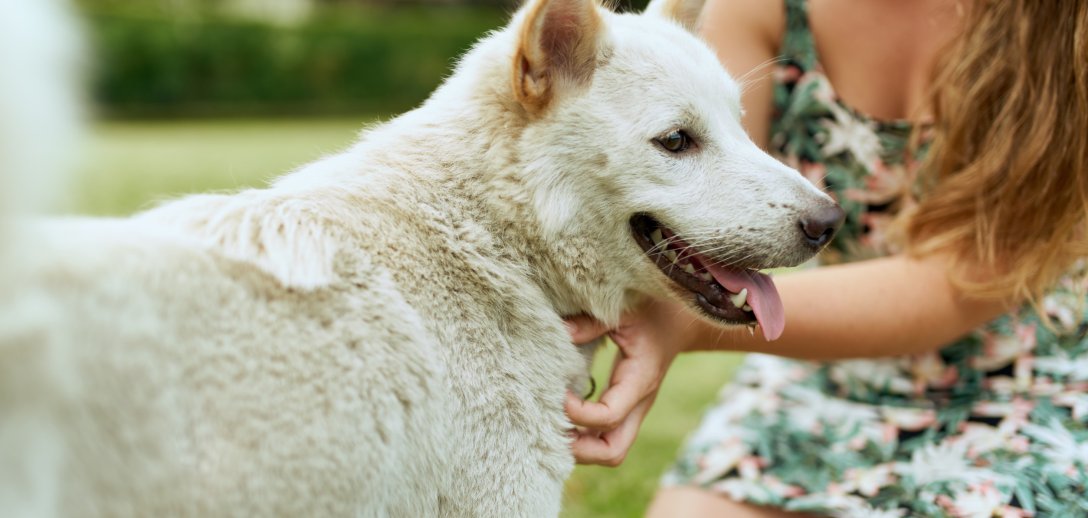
x,y
199,95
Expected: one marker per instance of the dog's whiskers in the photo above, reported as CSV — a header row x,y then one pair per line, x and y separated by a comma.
x,y
706,244
745,81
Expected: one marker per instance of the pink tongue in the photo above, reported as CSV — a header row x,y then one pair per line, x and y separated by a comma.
x,y
762,296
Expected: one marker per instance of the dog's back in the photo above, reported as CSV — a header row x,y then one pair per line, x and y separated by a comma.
x,y
207,386
409,382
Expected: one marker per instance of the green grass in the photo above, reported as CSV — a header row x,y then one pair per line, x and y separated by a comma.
x,y
131,165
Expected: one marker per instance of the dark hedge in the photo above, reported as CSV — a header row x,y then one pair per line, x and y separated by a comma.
x,y
346,60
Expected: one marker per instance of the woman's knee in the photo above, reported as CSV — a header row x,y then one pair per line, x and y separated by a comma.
x,y
684,502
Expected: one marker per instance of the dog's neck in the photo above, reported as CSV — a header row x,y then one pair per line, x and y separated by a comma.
x,y
480,165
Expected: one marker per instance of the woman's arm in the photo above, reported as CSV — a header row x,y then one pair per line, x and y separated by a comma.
x,y
881,307
745,35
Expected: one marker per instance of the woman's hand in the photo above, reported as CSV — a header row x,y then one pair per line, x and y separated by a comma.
x,y
648,338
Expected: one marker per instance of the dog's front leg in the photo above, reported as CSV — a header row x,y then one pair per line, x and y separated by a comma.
x,y
583,384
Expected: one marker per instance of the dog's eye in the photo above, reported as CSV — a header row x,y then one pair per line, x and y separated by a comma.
x,y
676,141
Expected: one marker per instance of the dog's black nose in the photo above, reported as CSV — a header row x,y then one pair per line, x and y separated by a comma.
x,y
820,225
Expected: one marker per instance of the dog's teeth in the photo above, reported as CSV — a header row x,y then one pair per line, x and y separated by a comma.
x,y
747,307
689,268
739,299
655,236
706,276
671,255
752,330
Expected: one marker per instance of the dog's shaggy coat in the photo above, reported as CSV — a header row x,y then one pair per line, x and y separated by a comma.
x,y
379,333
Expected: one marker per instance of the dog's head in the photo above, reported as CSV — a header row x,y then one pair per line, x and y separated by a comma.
x,y
631,146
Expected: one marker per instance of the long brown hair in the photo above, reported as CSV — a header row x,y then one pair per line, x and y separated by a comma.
x,y
1005,185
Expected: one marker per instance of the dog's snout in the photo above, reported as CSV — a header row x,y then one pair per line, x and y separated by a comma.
x,y
820,225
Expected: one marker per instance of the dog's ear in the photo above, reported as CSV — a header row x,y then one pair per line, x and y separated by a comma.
x,y
557,49
684,12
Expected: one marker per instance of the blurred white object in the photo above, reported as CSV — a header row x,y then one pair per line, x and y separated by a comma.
x,y
40,121
40,99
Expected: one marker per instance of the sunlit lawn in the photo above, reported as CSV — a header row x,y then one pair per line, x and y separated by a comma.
x,y
131,165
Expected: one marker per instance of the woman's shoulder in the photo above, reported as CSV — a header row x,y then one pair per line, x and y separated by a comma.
x,y
765,20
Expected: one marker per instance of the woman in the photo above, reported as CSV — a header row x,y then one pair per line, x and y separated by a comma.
x,y
951,363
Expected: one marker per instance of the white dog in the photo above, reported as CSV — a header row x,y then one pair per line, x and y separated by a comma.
x,y
379,333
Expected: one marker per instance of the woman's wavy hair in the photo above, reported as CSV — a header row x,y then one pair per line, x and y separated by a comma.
x,y
1005,184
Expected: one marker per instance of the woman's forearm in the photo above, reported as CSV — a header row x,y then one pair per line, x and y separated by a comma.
x,y
882,307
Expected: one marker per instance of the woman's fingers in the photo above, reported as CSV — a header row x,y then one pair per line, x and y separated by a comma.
x,y
584,329
606,415
607,427
635,376
610,448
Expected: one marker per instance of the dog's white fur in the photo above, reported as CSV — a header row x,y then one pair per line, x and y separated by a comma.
x,y
379,333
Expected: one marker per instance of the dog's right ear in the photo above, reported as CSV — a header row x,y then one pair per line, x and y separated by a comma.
x,y
557,49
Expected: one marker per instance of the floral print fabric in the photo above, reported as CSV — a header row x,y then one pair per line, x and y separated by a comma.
x,y
995,424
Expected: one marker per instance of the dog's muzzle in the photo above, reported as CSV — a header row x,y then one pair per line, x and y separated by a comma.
x,y
731,295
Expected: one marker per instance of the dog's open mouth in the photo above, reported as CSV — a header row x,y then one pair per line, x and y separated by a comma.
x,y
733,295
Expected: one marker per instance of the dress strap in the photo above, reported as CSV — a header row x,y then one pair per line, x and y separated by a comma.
x,y
798,45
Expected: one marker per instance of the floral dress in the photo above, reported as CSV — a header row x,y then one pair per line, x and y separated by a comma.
x,y
995,424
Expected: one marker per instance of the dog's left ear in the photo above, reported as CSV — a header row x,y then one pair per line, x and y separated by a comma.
x,y
557,49
684,12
